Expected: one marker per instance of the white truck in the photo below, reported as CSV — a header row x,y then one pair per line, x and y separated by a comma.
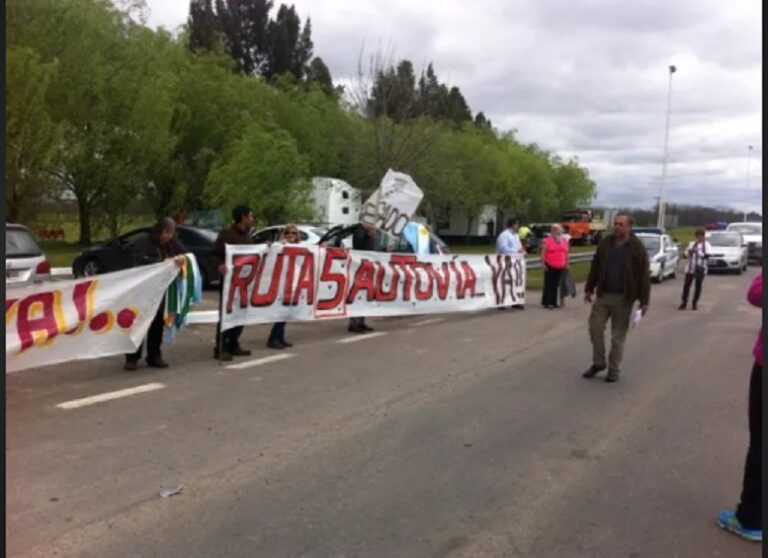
x,y
336,202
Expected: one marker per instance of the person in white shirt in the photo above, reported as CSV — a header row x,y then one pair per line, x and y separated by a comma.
x,y
508,242
695,268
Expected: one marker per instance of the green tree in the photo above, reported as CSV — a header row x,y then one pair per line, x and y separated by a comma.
x,y
264,169
32,138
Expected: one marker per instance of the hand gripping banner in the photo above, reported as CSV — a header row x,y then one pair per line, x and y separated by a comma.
x,y
298,283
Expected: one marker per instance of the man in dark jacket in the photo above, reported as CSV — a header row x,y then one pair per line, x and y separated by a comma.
x,y
155,247
364,238
237,233
620,272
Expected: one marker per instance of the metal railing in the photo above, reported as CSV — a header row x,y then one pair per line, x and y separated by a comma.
x,y
580,257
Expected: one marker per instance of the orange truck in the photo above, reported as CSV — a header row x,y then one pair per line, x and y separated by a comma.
x,y
583,226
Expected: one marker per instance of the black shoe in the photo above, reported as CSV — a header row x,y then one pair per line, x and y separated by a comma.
x,y
592,372
157,362
366,328
612,377
131,365
275,345
240,352
224,356
683,306
355,329
286,344
694,306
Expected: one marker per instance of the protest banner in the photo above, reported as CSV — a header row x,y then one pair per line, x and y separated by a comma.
x,y
392,205
298,283
54,322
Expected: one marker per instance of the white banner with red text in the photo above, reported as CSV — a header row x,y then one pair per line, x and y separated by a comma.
x,y
54,322
298,283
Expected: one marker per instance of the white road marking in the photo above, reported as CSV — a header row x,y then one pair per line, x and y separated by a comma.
x,y
109,396
260,361
429,321
356,338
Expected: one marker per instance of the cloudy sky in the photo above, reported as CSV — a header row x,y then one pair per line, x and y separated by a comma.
x,y
583,78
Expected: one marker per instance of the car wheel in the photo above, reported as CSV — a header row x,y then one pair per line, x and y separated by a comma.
x,y
92,267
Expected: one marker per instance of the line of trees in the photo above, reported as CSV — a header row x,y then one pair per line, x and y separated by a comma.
x,y
235,108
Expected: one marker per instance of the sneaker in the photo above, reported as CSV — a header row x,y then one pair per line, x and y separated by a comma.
x,y
224,356
240,352
727,520
131,365
157,362
592,372
612,376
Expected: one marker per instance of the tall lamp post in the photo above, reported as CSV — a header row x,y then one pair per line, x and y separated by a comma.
x,y
660,223
749,169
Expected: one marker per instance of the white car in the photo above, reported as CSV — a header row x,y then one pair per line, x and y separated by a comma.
x,y
663,253
308,234
729,252
24,261
753,236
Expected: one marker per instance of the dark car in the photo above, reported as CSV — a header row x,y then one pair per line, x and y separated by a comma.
x,y
116,254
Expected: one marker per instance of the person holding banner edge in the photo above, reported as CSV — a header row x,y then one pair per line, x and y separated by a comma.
x,y
364,238
277,335
228,342
160,244
508,242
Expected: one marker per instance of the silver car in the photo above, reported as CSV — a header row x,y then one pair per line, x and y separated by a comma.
x,y
24,261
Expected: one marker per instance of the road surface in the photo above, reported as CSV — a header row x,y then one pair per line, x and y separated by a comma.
x,y
467,435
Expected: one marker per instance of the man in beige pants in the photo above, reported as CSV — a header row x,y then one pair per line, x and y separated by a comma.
x,y
620,272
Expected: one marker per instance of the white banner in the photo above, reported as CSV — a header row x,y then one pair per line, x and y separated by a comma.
x,y
296,283
393,204
82,319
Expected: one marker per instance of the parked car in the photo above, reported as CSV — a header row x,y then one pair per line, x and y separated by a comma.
x,y
24,260
753,235
308,234
116,254
729,252
663,253
341,235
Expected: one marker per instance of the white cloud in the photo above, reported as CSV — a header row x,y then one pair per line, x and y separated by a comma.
x,y
585,78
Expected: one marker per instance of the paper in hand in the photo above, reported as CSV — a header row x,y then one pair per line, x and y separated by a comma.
x,y
637,315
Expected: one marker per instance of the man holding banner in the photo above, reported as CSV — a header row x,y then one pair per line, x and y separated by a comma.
x,y
228,341
364,238
155,247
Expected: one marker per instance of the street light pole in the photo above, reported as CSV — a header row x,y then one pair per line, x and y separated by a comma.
x,y
749,169
660,224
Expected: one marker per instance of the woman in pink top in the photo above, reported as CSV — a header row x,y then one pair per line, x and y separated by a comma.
x,y
747,520
554,258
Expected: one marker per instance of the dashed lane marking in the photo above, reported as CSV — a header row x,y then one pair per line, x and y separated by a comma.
x,y
67,405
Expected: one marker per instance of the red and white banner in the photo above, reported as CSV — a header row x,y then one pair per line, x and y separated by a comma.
x,y
82,319
296,283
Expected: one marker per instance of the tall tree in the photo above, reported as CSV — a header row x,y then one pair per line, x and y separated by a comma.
x,y
319,73
204,26
284,33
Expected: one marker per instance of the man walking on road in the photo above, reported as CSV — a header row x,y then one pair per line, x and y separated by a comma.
x,y
508,242
237,233
620,272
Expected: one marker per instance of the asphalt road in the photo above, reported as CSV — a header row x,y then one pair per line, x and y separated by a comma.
x,y
460,435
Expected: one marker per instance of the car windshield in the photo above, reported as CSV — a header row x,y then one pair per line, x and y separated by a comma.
x,y
651,243
319,231
746,228
728,240
20,244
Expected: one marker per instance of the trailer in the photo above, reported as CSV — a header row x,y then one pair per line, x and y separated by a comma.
x,y
336,202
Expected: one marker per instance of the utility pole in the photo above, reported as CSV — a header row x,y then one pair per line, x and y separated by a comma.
x,y
660,223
